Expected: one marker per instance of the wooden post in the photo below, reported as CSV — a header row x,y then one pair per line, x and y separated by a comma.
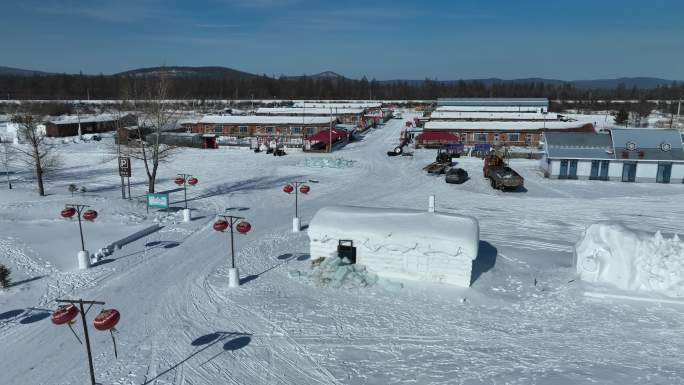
x,y
81,302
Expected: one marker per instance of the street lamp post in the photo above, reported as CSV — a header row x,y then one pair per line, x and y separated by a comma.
x,y
296,187
243,227
185,179
77,209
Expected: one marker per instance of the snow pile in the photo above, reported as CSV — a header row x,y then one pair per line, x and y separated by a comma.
x,y
328,162
400,243
611,253
340,273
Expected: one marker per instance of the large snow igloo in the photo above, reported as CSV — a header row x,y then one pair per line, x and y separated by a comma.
x,y
400,243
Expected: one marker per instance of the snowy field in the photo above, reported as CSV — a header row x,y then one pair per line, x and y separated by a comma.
x,y
525,320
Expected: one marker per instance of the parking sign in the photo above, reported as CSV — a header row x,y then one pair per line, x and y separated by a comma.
x,y
125,166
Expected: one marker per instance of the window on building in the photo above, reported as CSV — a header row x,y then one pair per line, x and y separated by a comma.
x,y
243,129
599,170
310,130
513,137
496,138
568,169
296,130
664,171
218,129
629,171
480,137
269,130
528,139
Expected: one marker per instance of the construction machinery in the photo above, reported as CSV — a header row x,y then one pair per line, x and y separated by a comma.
x,y
442,162
500,175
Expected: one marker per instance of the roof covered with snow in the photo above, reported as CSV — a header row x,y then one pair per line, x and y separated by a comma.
x,y
308,111
507,102
337,105
648,143
488,109
75,119
462,115
265,120
499,125
578,145
438,233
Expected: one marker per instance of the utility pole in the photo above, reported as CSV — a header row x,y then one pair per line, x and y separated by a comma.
x,y
330,131
80,303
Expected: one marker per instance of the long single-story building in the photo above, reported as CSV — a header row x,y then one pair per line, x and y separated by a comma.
x,y
517,109
364,105
344,115
467,116
504,132
68,125
292,129
538,103
627,155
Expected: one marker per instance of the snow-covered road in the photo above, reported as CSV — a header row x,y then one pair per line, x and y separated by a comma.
x,y
181,324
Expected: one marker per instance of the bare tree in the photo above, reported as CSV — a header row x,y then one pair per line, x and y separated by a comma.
x,y
155,116
38,155
8,154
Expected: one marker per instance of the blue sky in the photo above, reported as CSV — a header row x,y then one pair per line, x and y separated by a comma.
x,y
561,39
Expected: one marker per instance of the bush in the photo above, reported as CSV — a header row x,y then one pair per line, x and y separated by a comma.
x,y
4,276
83,189
72,189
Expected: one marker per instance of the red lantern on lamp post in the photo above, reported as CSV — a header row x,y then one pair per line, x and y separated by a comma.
x,y
296,187
243,227
106,320
75,209
185,180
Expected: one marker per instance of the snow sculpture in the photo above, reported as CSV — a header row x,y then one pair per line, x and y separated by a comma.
x,y
399,243
611,253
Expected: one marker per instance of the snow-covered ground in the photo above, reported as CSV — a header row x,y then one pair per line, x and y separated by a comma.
x,y
525,320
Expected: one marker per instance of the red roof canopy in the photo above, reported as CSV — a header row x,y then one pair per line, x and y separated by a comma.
x,y
324,136
437,136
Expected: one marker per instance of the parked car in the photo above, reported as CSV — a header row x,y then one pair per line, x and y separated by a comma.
x,y
456,175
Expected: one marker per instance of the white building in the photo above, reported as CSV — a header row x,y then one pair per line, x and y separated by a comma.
x,y
627,155
400,243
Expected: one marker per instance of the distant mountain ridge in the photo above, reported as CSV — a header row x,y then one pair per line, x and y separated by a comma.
x,y
21,72
225,72
212,71
627,82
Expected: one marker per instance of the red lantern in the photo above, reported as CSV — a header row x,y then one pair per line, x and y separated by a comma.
x,y
107,319
304,189
64,314
193,181
243,227
90,215
220,225
288,188
68,212
179,181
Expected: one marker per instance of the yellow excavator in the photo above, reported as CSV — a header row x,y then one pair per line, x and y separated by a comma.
x,y
500,175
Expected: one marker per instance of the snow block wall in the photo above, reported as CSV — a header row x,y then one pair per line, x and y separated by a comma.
x,y
398,243
609,252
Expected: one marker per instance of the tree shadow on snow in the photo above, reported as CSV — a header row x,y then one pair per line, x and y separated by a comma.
x,y
245,185
485,261
35,318
248,278
17,283
209,340
11,314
